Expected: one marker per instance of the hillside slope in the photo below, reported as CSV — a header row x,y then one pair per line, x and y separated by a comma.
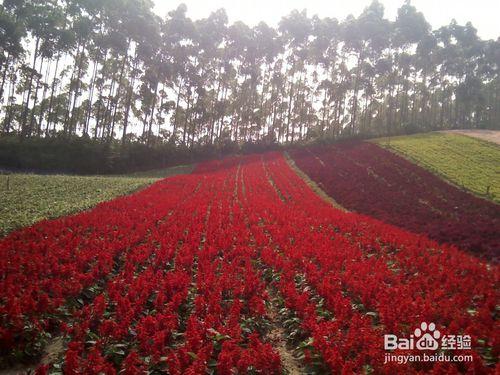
x,y
368,179
28,198
465,161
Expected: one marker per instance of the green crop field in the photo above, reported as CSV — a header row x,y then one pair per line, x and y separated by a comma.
x,y
467,162
28,198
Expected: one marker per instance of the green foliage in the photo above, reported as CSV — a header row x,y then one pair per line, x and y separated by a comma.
x,y
467,162
28,198
162,173
75,155
114,70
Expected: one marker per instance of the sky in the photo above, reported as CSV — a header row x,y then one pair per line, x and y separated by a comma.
x,y
484,14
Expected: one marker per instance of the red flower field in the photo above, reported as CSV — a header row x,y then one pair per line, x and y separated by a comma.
x,y
396,191
186,277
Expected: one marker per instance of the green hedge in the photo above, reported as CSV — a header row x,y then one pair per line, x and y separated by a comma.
x,y
85,156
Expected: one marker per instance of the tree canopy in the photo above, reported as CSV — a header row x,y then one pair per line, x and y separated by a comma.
x,y
113,70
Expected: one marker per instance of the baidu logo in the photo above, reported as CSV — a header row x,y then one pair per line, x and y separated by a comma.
x,y
427,337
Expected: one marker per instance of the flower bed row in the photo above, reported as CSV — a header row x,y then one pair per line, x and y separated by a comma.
x,y
374,278
365,178
179,295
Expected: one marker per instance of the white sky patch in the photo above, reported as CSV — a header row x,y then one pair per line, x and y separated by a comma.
x,y
482,13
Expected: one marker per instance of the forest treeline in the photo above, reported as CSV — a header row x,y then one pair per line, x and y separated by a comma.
x,y
115,72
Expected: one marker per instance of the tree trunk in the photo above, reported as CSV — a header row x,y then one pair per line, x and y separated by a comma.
x,y
4,76
24,130
8,118
186,118
122,73
99,103
105,125
128,103
212,120
221,118
90,98
148,141
290,99
73,124
51,100
177,109
70,92
354,107
42,102
35,99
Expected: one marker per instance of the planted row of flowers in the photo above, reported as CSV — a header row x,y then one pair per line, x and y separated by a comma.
x,y
374,278
136,315
179,295
51,268
365,178
171,279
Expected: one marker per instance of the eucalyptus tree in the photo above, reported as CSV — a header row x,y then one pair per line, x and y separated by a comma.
x,y
38,19
211,40
324,55
137,24
296,29
269,47
179,32
365,39
410,30
104,68
11,47
490,72
11,50
469,90
241,50
155,73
